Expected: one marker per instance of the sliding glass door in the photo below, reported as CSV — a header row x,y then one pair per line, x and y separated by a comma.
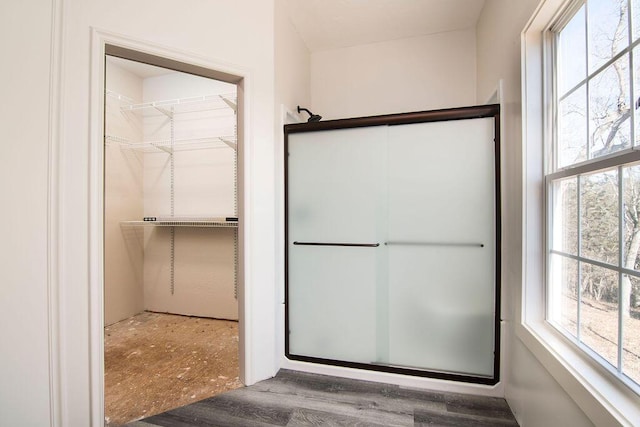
x,y
334,230
392,248
441,249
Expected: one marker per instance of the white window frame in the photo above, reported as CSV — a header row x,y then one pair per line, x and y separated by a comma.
x,y
554,173
599,393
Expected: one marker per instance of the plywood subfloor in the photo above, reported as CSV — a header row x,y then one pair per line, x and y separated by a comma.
x,y
155,362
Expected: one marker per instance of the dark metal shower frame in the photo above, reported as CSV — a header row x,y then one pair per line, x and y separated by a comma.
x,y
450,114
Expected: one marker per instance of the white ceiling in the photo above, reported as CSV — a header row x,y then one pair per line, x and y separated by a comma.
x,y
332,24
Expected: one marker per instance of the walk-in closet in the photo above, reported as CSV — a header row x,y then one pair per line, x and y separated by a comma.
x,y
170,238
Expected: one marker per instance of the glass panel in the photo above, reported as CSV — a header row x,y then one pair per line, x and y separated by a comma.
x,y
441,280
608,30
631,209
335,183
631,327
599,311
635,16
441,319
564,293
565,216
572,53
609,105
636,87
332,303
400,303
572,128
599,216
630,286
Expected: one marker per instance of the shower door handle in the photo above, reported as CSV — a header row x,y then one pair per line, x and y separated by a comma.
x,y
359,245
425,243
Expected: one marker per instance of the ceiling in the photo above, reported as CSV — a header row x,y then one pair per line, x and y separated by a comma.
x,y
332,24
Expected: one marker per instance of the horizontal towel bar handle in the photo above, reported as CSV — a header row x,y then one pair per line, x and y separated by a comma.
x,y
362,245
469,244
392,243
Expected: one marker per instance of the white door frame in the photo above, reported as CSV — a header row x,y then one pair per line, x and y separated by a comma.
x,y
219,71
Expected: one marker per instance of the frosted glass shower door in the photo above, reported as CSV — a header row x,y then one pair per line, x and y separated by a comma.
x,y
441,246
335,226
393,243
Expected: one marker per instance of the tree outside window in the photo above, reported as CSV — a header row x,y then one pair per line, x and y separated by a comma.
x,y
593,183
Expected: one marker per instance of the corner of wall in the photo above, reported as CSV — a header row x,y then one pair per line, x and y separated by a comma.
x,y
529,387
292,88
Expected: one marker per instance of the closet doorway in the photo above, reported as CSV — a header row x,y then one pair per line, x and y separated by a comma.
x,y
170,236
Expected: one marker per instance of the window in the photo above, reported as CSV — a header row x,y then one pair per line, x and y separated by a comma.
x,y
592,183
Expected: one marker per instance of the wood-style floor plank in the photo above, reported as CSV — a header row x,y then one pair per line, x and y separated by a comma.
x,y
229,409
491,407
449,419
360,395
337,403
306,400
312,418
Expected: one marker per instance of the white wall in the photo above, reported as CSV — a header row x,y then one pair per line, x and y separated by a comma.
x,y
411,74
26,42
203,178
534,396
123,253
204,186
292,88
292,62
237,36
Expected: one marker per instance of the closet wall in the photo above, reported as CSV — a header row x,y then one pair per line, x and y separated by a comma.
x,y
204,173
172,157
123,252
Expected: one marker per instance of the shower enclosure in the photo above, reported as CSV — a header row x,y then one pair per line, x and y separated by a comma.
x,y
393,243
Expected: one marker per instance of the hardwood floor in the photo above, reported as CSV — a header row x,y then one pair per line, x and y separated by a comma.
x,y
302,399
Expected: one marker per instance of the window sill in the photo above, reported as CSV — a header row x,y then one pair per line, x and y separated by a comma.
x,y
602,397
